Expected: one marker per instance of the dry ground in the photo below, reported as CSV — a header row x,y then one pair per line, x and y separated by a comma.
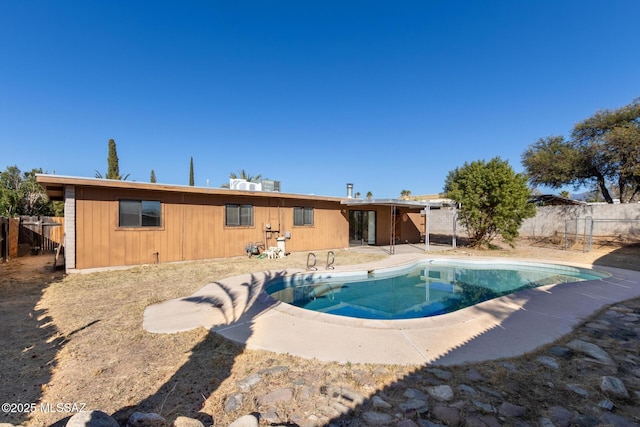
x,y
79,338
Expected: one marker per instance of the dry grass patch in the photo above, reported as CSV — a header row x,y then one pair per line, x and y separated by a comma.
x,y
88,332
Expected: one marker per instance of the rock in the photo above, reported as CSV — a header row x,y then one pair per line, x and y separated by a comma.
x,y
274,370
352,397
613,386
427,423
407,423
245,421
419,406
561,352
591,350
276,396
546,422
475,375
92,419
490,392
509,366
548,361
616,420
583,420
233,403
187,422
376,418
597,326
484,407
249,382
510,410
449,416
440,374
443,393
143,419
468,389
606,404
489,421
270,417
561,416
412,393
578,390
380,403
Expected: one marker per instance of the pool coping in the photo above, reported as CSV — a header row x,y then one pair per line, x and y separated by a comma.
x,y
237,308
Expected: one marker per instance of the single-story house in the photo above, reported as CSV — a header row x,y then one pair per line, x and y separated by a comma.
x,y
110,223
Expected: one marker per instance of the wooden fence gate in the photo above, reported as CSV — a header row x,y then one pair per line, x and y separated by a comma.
x,y
40,234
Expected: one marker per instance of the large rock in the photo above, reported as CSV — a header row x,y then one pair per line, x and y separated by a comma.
x,y
613,386
91,419
187,422
245,421
591,350
377,418
443,393
145,419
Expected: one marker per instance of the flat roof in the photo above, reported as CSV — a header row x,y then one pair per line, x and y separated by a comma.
x,y
417,204
54,188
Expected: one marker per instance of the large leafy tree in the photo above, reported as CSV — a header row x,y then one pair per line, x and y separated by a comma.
x,y
20,194
603,149
493,200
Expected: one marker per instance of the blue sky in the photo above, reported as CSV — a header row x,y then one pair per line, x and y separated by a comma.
x,y
389,95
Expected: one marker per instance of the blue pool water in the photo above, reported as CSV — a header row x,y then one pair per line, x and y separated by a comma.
x,y
425,289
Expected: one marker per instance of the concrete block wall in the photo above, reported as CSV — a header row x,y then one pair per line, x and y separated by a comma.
x,y
621,221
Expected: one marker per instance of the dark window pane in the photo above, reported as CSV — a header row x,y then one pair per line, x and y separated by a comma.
x,y
246,215
150,214
129,213
232,215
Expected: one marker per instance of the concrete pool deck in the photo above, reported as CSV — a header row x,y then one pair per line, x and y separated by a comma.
x,y
239,310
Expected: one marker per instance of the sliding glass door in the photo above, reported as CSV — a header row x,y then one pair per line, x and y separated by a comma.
x,y
362,227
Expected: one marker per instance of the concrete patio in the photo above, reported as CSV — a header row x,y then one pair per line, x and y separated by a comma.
x,y
238,309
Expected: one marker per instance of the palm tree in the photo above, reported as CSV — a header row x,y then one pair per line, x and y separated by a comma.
x,y
405,194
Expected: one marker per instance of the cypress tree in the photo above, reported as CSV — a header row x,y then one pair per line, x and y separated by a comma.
x,y
153,176
191,179
113,170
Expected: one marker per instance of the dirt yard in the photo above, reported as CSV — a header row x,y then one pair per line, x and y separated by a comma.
x,y
78,340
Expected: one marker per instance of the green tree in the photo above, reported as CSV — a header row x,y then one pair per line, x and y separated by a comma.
x,y
153,176
493,200
191,176
20,194
10,193
405,194
113,168
603,149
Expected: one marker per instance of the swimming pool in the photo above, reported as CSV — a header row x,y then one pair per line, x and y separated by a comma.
x,y
427,288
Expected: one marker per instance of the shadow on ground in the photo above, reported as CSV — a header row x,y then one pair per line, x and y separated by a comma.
x,y
627,257
211,361
30,341
525,388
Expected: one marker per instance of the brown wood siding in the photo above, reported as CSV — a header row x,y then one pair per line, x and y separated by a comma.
x,y
410,229
193,227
